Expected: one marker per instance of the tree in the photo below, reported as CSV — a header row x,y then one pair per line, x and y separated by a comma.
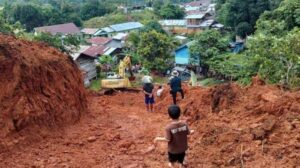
x,y
281,20
171,11
207,46
133,41
153,25
277,59
155,50
4,27
243,29
94,8
29,15
157,4
234,12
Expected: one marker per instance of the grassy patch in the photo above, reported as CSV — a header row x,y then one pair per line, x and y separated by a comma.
x,y
95,85
209,82
160,80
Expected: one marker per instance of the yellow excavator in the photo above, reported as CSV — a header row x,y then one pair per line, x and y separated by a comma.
x,y
118,81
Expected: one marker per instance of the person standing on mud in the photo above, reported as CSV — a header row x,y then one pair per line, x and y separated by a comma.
x,y
175,85
177,132
149,96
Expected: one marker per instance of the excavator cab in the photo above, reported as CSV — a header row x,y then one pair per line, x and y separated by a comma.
x,y
118,81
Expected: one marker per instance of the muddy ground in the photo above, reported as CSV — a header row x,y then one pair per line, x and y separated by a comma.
x,y
118,132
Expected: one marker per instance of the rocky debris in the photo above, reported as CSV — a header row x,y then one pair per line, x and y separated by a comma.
x,y
149,149
222,97
92,139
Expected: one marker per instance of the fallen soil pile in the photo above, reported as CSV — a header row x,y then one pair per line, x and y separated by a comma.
x,y
256,126
40,87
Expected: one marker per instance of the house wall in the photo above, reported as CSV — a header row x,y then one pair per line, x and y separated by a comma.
x,y
87,65
194,30
194,21
180,30
87,36
183,30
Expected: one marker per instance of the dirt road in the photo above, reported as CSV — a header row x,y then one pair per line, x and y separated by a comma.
x,y
252,127
115,133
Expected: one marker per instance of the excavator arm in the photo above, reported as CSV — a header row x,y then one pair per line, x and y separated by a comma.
x,y
123,81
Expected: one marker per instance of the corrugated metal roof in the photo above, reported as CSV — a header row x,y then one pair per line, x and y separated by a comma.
x,y
108,29
68,28
198,3
195,16
218,25
191,8
109,51
173,22
194,12
99,40
120,36
77,53
181,37
207,23
94,51
103,31
126,26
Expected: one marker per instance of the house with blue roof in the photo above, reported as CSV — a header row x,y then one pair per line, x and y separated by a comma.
x,y
119,28
126,27
105,32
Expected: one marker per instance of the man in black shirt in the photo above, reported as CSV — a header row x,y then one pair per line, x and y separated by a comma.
x,y
149,96
175,84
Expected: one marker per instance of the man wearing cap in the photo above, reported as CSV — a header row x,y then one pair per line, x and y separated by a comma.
x,y
175,84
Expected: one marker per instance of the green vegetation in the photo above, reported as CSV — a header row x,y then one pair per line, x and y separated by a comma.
x,y
209,82
241,16
170,11
118,17
98,22
160,79
155,50
153,25
66,44
35,13
208,46
273,52
96,85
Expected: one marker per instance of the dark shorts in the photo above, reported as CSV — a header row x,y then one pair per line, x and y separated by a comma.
x,y
176,157
149,100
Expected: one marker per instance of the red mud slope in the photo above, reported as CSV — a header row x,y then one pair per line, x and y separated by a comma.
x,y
39,87
255,127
